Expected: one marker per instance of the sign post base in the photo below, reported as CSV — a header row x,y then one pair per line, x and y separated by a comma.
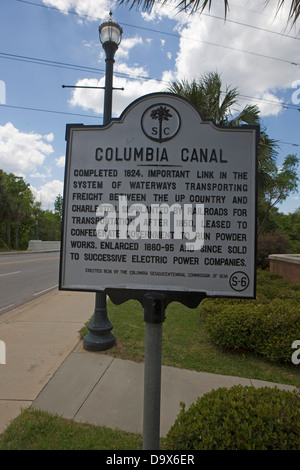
x,y
99,337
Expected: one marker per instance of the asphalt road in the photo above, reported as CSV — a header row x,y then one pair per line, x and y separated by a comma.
x,y
24,276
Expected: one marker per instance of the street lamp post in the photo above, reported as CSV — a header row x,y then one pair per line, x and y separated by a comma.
x,y
100,337
110,34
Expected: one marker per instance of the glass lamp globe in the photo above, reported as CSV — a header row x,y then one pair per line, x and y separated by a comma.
x,y
110,31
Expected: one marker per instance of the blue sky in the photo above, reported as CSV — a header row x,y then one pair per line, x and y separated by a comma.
x,y
49,43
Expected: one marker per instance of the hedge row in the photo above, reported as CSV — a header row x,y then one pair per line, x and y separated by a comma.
x,y
268,325
239,418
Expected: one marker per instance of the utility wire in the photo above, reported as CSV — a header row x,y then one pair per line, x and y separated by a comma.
x,y
84,115
139,27
52,63
88,115
174,35
47,111
252,26
289,143
81,68
274,103
93,69
91,116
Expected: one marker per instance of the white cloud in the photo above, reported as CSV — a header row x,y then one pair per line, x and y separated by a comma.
x,y
47,193
207,45
86,98
269,105
60,162
49,137
22,152
133,71
160,11
127,44
245,57
133,89
47,173
99,9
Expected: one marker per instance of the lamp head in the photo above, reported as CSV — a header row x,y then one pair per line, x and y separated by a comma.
x,y
110,31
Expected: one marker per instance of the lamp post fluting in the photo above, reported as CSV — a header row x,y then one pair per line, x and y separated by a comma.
x,y
99,337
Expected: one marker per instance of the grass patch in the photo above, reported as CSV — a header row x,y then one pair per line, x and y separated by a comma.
x,y
185,345
39,430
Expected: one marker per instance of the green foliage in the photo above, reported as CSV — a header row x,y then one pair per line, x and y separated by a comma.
x,y
290,225
49,226
58,206
202,5
239,418
267,328
282,182
270,243
19,214
274,185
268,325
16,201
272,286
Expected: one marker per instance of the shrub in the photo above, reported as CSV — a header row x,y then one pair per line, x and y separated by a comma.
x,y
268,329
267,325
239,418
273,286
277,327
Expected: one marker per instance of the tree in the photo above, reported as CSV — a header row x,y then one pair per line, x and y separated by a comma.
x,y
3,207
206,94
23,200
15,204
58,206
274,185
283,182
197,5
288,224
49,226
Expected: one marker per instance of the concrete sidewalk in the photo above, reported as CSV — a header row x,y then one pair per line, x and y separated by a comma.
x,y
47,368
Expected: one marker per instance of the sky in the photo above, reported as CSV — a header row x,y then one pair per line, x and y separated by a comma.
x,y
45,44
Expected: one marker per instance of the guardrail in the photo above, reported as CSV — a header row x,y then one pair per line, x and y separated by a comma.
x,y
39,245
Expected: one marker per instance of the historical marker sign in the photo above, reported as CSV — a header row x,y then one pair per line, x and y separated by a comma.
x,y
160,200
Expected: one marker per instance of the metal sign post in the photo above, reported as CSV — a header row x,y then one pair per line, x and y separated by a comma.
x,y
154,316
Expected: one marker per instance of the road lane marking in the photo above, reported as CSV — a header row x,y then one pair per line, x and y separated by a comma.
x,y
29,260
9,274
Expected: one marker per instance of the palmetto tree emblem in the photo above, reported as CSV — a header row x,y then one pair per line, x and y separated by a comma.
x,y
160,122
162,113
